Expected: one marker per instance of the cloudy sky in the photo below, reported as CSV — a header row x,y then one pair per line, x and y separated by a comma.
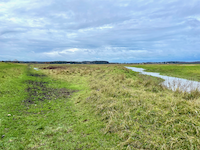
x,y
112,30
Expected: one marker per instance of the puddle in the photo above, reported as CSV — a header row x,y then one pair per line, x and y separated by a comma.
x,y
172,82
36,69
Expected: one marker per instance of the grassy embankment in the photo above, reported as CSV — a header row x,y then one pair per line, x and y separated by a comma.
x,y
142,113
114,108
191,72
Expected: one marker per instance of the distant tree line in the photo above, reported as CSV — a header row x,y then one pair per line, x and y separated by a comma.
x,y
98,62
59,62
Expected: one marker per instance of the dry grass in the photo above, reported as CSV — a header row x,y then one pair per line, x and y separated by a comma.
x,y
141,112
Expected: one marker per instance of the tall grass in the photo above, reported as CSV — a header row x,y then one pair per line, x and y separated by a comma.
x,y
136,108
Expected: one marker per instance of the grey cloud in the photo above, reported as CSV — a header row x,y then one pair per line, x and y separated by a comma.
x,y
113,30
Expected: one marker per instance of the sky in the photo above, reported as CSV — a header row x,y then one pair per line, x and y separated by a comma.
x,y
111,30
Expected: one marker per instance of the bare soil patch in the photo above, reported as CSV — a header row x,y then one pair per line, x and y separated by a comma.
x,y
40,91
54,67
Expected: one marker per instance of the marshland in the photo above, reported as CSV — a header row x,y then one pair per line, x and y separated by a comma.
x,y
97,107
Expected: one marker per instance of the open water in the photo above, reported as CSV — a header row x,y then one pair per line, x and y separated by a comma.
x,y
172,82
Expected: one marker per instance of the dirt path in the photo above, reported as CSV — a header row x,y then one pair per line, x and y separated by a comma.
x,y
38,90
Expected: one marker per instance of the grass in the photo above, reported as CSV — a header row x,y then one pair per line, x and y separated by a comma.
x,y
191,72
112,108
49,122
142,113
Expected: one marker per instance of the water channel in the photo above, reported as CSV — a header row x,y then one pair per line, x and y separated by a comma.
x,y
172,82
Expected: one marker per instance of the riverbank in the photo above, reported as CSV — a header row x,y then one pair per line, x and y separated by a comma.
x,y
173,83
134,107
185,71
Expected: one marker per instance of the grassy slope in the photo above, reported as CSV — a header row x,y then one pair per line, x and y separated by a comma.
x,y
114,108
182,71
143,114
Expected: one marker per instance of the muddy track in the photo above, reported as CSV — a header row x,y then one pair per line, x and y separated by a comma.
x,y
40,91
55,67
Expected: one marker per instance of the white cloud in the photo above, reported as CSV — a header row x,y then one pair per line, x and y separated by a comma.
x,y
114,30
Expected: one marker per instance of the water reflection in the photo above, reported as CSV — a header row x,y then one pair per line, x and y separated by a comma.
x,y
171,82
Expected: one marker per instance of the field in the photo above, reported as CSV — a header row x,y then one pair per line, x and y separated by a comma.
x,y
93,107
186,71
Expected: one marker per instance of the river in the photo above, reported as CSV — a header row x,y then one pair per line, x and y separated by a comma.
x,y
172,82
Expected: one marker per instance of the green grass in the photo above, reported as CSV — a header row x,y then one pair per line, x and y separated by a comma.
x,y
112,108
191,72
48,124
137,108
